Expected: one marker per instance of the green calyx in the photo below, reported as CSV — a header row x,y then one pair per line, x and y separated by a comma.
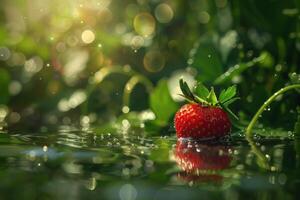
x,y
205,97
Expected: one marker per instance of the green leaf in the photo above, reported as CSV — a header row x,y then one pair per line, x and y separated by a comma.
x,y
212,98
206,59
233,118
182,87
161,102
266,60
201,91
188,94
238,69
200,100
186,90
227,94
230,101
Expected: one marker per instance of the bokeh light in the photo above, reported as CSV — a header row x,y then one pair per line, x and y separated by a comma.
x,y
15,87
4,53
128,192
164,13
203,17
88,36
154,61
137,42
3,112
33,65
144,24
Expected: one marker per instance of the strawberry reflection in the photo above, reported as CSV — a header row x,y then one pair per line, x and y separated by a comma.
x,y
201,162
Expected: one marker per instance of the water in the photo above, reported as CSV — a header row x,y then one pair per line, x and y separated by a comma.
x,y
69,163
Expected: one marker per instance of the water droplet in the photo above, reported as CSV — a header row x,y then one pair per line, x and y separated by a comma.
x,y
45,148
282,179
273,168
125,109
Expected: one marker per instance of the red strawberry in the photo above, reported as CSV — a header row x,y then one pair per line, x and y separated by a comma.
x,y
204,117
196,121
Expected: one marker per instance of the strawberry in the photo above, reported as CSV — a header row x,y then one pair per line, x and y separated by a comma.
x,y
205,117
197,121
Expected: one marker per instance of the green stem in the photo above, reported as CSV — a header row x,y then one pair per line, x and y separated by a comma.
x,y
133,81
107,71
265,105
99,77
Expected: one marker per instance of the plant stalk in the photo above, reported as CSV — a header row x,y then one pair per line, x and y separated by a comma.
x,y
265,105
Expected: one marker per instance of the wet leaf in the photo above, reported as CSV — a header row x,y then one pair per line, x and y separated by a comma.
x,y
161,102
201,91
206,59
212,98
231,101
227,94
238,69
266,60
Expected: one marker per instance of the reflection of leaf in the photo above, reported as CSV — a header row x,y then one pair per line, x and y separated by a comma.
x,y
4,82
161,154
161,102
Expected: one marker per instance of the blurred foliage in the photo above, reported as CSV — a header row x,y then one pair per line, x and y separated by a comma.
x,y
54,54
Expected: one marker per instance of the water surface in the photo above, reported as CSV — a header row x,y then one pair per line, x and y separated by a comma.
x,y
71,163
